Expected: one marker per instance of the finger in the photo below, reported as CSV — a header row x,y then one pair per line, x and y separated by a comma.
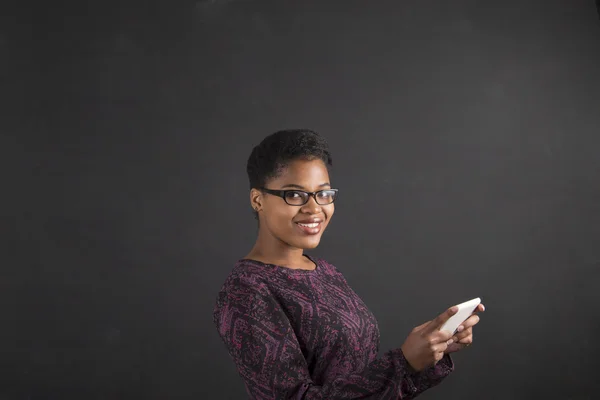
x,y
466,340
479,308
439,337
463,334
468,323
439,348
438,340
441,319
438,356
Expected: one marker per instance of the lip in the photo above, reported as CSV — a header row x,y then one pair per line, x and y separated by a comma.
x,y
310,221
310,231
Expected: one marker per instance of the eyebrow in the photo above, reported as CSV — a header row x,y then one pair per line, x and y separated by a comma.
x,y
291,185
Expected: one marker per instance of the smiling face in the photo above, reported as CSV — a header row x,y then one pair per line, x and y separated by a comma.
x,y
293,226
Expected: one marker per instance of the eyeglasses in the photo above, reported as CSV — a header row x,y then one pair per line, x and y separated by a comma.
x,y
300,197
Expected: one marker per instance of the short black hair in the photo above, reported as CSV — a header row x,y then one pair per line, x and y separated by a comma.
x,y
277,150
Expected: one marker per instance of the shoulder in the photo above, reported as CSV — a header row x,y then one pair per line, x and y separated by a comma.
x,y
328,267
245,285
244,278
332,273
245,300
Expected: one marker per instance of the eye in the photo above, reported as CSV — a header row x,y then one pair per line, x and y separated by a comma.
x,y
294,195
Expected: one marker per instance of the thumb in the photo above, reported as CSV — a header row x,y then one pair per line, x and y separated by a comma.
x,y
437,323
420,327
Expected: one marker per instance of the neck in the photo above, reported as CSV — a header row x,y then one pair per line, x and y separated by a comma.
x,y
270,249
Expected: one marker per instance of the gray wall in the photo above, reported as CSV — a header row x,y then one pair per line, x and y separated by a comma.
x,y
465,137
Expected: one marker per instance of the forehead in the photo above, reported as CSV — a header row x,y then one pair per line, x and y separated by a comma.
x,y
309,174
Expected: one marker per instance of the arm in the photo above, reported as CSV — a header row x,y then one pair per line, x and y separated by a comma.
x,y
268,357
433,376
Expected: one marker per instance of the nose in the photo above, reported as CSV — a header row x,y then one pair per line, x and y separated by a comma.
x,y
311,205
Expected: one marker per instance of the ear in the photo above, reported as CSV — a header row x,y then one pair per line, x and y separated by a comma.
x,y
256,199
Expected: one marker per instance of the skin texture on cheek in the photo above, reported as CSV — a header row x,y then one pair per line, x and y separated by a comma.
x,y
281,222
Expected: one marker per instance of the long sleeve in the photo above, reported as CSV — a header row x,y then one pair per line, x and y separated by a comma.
x,y
269,358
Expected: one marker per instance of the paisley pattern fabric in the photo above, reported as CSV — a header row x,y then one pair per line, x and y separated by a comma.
x,y
305,334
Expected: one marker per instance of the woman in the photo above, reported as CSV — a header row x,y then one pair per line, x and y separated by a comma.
x,y
292,324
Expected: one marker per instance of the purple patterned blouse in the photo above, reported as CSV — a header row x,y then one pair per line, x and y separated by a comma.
x,y
300,334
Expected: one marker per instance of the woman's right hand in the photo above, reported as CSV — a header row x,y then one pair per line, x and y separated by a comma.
x,y
425,345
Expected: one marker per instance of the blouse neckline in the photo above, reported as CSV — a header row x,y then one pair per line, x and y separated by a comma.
x,y
284,268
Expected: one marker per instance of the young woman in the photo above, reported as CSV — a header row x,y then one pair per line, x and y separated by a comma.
x,y
292,324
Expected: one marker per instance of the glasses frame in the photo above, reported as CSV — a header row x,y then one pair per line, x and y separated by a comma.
x,y
283,193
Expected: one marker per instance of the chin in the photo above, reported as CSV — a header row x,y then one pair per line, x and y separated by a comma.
x,y
309,246
306,243
310,243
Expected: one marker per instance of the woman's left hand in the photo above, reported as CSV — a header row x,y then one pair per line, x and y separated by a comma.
x,y
464,336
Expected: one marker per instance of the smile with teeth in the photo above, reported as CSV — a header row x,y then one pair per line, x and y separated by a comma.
x,y
313,225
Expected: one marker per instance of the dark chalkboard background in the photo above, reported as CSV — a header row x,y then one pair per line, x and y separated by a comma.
x,y
466,144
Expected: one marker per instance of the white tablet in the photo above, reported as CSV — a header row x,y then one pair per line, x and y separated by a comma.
x,y
464,311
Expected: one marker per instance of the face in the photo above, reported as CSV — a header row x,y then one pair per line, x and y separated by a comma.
x,y
288,223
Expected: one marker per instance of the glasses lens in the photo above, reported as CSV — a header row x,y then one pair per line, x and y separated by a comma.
x,y
326,196
296,198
